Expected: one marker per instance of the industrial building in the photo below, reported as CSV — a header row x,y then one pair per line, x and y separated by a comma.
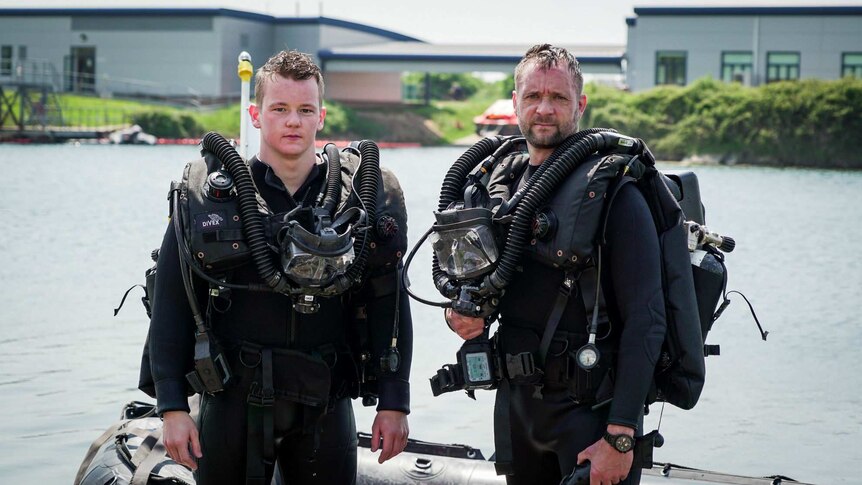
x,y
191,54
752,45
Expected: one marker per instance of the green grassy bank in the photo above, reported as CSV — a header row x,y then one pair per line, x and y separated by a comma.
x,y
804,123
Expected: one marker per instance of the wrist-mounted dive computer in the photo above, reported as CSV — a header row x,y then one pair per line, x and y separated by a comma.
x,y
477,363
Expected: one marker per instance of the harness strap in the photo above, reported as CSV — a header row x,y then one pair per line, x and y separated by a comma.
x,y
563,294
260,448
268,393
503,431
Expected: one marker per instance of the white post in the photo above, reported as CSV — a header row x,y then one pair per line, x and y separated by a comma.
x,y
245,71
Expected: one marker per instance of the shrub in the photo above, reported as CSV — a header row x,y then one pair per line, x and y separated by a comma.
x,y
806,123
166,124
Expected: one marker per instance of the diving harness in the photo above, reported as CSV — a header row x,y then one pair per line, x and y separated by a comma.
x,y
220,222
472,273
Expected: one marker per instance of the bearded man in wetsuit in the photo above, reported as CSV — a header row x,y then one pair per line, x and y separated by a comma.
x,y
311,444
565,420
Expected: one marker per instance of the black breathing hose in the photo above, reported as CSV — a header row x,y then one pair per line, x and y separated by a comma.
x,y
556,172
252,221
369,177
333,178
453,183
453,189
561,148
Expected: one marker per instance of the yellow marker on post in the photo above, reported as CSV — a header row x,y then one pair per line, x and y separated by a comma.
x,y
244,70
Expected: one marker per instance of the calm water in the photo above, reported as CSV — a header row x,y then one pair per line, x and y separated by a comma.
x,y
79,224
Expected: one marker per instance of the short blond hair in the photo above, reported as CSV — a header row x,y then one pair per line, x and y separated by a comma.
x,y
290,64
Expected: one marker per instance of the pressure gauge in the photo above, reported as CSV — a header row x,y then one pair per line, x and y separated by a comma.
x,y
587,356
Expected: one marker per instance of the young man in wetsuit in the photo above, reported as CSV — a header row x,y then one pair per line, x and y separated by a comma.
x,y
309,448
557,428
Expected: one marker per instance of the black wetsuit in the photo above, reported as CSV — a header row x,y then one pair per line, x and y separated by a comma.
x,y
548,433
308,449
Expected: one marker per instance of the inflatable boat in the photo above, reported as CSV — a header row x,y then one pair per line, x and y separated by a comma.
x,y
130,452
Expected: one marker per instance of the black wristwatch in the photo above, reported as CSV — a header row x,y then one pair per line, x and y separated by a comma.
x,y
621,442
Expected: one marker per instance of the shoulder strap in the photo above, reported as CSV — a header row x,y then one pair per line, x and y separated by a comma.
x,y
501,182
563,294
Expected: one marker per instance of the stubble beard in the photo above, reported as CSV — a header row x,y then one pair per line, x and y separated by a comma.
x,y
553,139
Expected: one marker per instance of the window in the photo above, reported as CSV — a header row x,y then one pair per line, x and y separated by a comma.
x,y
670,67
851,64
6,60
736,66
782,66
22,53
243,41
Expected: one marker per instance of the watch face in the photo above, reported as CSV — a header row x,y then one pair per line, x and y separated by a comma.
x,y
623,443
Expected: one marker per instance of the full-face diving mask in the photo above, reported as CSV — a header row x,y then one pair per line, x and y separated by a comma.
x,y
463,240
315,260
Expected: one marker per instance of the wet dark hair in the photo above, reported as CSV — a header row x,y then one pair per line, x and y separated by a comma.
x,y
546,56
291,65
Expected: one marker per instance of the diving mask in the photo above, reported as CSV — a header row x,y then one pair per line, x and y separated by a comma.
x,y
314,260
463,241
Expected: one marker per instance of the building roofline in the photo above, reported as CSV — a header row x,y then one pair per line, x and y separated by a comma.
x,y
113,12
347,25
828,10
225,12
329,55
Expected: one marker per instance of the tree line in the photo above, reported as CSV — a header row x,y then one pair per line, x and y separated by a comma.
x,y
811,123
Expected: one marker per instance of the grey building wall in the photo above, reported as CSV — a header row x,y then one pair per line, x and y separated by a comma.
x,y
133,54
193,52
333,36
139,54
163,52
302,37
820,41
46,39
238,35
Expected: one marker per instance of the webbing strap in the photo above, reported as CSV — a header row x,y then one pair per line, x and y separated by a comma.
x,y
255,471
147,446
563,295
94,448
260,446
268,393
152,457
503,431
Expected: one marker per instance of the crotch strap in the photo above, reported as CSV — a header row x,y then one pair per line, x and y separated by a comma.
x,y
260,448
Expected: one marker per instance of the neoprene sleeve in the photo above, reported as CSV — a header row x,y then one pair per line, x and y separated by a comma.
x,y
635,293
